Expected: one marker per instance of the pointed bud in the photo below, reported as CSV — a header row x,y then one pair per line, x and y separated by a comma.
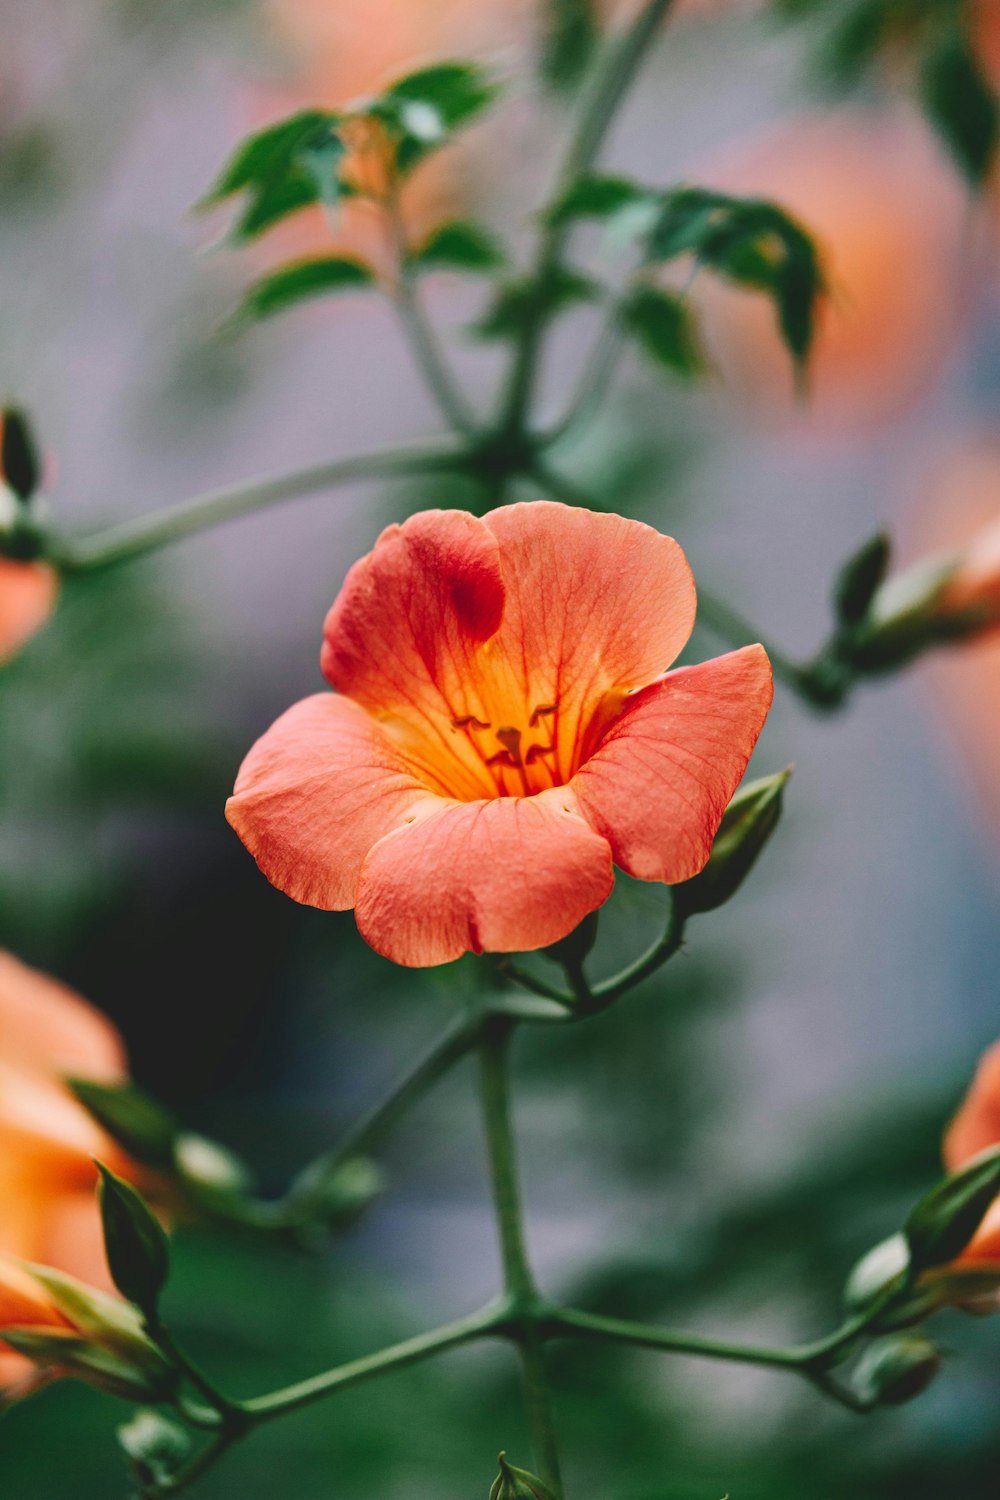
x,y
859,578
134,1242
133,1118
20,468
904,617
155,1447
946,1219
894,1370
747,825
517,1484
62,1350
886,1265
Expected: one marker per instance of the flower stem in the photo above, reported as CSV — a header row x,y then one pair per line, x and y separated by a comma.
x,y
654,958
610,84
132,538
519,1283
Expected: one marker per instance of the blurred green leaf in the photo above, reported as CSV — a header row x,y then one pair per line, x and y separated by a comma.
x,y
960,102
299,281
597,196
424,109
265,157
133,1118
519,302
459,246
570,34
663,325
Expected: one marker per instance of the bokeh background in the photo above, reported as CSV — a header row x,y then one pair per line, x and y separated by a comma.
x,y
717,1151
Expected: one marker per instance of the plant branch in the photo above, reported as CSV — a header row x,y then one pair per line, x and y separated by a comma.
x,y
610,84
519,1284
654,958
130,539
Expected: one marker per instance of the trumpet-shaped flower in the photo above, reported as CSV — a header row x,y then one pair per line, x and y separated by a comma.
x,y
503,729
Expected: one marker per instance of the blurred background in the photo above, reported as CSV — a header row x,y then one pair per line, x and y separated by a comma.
x,y
717,1151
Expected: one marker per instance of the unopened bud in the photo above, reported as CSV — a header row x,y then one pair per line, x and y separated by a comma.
x,y
518,1484
945,1220
212,1173
154,1446
894,1370
20,467
747,825
859,578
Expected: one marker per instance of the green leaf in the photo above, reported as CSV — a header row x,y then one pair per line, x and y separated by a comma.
x,y
571,32
519,302
133,1118
298,281
945,1219
425,108
960,103
459,246
662,324
597,196
134,1243
266,156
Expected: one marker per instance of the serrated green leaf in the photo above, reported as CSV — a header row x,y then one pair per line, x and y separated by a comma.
x,y
570,34
597,196
960,102
459,246
134,1243
299,281
663,325
519,302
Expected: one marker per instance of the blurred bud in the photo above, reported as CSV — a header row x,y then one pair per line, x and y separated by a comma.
x,y
573,949
945,1220
969,604
19,462
134,1242
747,824
859,578
133,1118
336,1193
885,1265
903,619
211,1172
517,1484
894,1370
154,1446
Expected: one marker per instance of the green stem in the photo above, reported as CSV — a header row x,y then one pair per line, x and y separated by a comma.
x,y
522,1299
429,358
592,384
226,1410
132,538
456,1041
654,958
732,627
576,1324
610,84
290,1398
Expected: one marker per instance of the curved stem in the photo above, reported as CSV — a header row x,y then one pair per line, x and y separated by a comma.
x,y
290,1398
576,1324
654,958
419,332
725,622
592,384
132,538
610,84
519,1282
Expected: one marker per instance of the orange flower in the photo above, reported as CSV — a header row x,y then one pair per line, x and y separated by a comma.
x,y
500,733
48,1140
27,598
975,1128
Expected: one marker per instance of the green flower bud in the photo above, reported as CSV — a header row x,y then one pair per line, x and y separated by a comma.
x,y
894,1370
747,825
945,1220
859,578
904,618
154,1446
148,1379
134,1242
517,1484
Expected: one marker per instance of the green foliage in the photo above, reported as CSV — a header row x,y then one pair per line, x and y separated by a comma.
x,y
597,195
663,325
297,282
424,109
280,169
459,245
134,1242
518,303
960,103
570,34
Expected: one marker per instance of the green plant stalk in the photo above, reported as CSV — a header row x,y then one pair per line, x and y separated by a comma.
x,y
600,104
521,1293
132,538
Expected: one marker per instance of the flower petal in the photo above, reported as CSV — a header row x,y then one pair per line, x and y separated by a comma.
x,y
595,604
46,1027
27,598
315,793
401,635
501,876
976,1126
658,784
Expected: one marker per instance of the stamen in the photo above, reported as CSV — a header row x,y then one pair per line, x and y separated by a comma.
x,y
468,719
540,712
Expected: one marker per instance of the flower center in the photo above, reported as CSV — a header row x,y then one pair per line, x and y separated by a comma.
x,y
518,761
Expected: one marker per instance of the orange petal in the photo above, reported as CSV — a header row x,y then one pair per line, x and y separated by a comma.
x,y
402,633
657,786
315,793
27,598
977,1123
45,1026
23,1301
984,1247
502,876
595,604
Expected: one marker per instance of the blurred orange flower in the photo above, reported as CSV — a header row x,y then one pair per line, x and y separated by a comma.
x,y
48,1140
887,215
976,1127
27,598
501,731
